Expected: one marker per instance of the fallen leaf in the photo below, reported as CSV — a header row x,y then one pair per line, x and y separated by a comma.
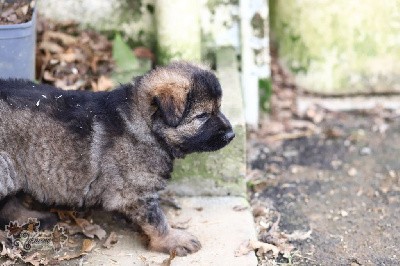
x,y
170,201
243,249
69,256
181,225
71,56
252,245
48,76
51,47
167,262
260,211
11,254
111,240
315,114
25,9
240,208
64,38
264,248
104,83
122,54
90,230
144,52
298,235
62,84
3,236
36,259
87,245
334,133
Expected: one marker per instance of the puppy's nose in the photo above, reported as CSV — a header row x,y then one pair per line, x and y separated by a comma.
x,y
229,136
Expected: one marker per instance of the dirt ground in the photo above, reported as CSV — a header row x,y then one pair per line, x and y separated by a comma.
x,y
341,185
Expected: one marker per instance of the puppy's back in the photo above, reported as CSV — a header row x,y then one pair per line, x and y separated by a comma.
x,y
75,109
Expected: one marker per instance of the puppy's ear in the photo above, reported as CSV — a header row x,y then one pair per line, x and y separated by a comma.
x,y
171,99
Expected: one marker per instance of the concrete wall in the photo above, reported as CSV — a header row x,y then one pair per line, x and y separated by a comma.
x,y
134,18
339,47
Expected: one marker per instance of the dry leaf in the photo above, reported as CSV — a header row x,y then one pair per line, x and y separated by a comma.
x,y
298,235
71,56
334,132
3,236
48,76
62,84
64,215
144,52
87,245
69,256
64,38
243,249
167,262
10,253
104,83
90,230
51,47
76,58
260,211
261,247
264,248
181,225
111,240
240,208
36,259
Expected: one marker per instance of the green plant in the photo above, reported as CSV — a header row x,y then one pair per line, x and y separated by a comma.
x,y
265,91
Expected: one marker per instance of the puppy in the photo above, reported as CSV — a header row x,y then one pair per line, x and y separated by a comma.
x,y
111,149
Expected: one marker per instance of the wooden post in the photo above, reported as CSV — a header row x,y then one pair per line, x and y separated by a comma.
x,y
255,54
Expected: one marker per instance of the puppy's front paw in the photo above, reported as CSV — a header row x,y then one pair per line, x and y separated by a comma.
x,y
177,241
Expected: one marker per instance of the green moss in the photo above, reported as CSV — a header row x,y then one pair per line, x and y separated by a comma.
x,y
335,47
257,23
150,8
165,55
224,168
265,89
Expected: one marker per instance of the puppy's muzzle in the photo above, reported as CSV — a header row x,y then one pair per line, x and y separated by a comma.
x,y
229,136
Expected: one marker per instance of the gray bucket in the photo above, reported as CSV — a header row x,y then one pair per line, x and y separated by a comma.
x,y
17,49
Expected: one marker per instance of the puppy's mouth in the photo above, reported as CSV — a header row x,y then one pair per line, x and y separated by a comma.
x,y
228,136
216,142
219,141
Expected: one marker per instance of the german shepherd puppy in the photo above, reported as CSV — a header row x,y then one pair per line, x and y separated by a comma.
x,y
111,149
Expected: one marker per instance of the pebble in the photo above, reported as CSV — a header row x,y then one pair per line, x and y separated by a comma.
x,y
365,151
352,171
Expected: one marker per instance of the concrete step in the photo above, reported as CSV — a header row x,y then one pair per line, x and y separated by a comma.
x,y
213,220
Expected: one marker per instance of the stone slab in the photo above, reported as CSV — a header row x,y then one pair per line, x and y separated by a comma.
x,y
348,103
220,229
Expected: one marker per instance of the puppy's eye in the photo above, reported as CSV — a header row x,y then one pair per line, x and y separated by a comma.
x,y
203,116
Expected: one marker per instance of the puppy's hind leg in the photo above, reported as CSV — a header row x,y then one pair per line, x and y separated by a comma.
x,y
8,176
148,214
15,209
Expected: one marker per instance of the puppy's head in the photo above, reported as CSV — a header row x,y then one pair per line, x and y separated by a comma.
x,y
188,118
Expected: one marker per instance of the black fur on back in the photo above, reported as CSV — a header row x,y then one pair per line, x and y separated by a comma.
x,y
78,109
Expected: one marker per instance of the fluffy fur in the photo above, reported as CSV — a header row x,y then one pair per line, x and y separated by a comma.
x,y
112,149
